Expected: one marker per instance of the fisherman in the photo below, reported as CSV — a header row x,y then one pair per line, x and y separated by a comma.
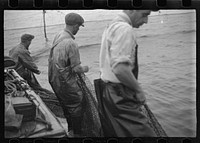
x,y
122,96
64,65
25,65
26,68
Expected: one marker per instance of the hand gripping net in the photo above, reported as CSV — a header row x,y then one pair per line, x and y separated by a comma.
x,y
91,126
91,122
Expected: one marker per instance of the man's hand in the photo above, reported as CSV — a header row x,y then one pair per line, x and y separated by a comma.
x,y
81,69
85,68
37,72
124,74
140,96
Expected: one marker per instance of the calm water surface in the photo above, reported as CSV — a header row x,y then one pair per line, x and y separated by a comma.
x,y
167,59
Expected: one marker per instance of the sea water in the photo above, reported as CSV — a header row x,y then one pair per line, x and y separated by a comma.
x,y
167,57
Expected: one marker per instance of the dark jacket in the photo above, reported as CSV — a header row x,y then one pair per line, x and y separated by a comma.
x,y
64,56
25,65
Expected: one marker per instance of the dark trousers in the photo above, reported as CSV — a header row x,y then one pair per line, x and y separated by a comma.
x,y
74,121
120,113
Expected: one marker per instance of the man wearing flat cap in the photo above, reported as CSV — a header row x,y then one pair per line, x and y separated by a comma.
x,y
25,65
64,65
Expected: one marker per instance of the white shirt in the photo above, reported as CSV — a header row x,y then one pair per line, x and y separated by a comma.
x,y
117,46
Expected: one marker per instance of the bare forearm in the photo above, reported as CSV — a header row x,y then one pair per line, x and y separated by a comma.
x,y
125,76
81,69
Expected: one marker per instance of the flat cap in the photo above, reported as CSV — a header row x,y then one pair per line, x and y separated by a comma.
x,y
73,19
27,37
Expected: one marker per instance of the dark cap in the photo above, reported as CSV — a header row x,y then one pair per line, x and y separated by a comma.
x,y
73,19
26,37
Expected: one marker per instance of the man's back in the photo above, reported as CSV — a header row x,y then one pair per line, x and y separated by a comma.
x,y
23,59
16,52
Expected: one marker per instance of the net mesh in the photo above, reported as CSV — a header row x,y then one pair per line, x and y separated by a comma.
x,y
153,122
91,122
91,126
51,101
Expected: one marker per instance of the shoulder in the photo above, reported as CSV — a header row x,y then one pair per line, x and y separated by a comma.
x,y
121,28
22,49
69,43
18,49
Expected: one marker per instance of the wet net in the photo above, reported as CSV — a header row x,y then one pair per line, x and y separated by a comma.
x,y
91,126
91,123
51,101
153,122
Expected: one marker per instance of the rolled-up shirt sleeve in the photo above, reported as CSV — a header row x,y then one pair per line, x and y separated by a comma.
x,y
122,46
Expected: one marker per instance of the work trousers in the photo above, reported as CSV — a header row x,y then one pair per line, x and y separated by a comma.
x,y
120,112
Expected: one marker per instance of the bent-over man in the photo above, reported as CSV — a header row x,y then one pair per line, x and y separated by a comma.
x,y
25,65
122,96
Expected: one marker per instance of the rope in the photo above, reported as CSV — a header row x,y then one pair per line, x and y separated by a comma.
x,y
91,119
10,88
154,123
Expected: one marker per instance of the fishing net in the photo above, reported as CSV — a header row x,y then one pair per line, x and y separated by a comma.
x,y
51,101
91,122
153,122
91,126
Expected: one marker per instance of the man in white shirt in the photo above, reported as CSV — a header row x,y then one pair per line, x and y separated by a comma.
x,y
122,96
